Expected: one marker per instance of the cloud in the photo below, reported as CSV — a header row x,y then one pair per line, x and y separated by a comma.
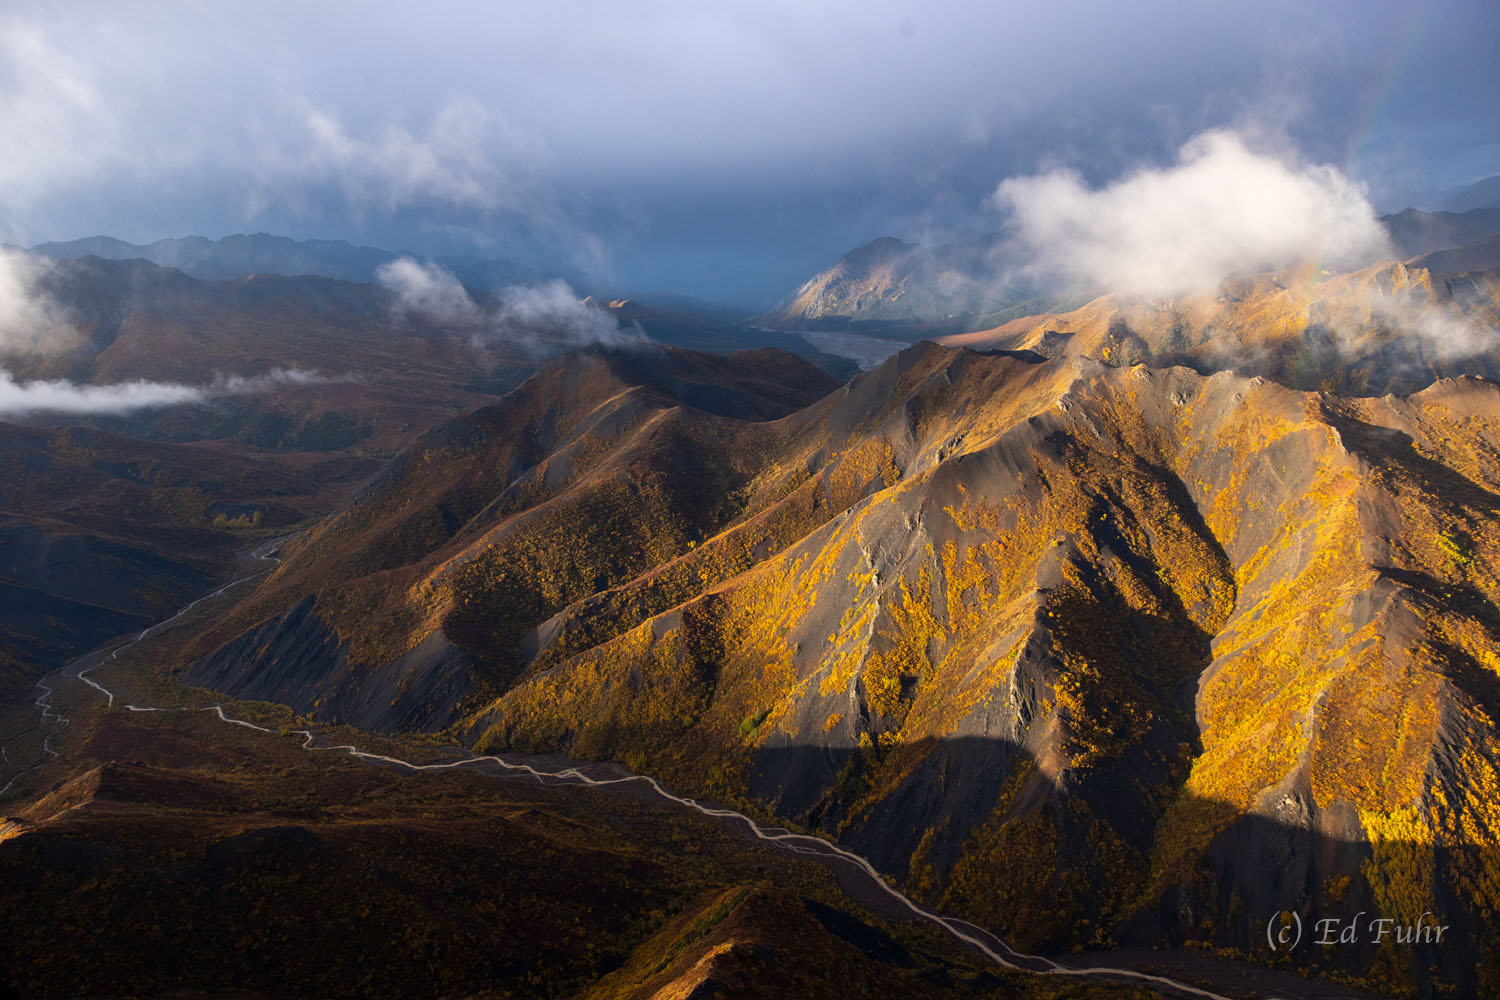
x,y
1221,210
466,157
58,123
428,291
537,318
62,397
553,312
740,121
1444,331
31,322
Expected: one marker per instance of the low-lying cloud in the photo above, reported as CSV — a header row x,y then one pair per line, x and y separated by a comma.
x,y
429,292
57,396
1441,331
1221,210
554,311
534,318
31,322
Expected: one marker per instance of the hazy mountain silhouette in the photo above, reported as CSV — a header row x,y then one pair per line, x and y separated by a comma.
x,y
1481,194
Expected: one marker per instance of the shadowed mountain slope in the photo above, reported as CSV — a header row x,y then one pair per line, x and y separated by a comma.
x,y
1484,193
1416,232
1051,641
180,858
102,535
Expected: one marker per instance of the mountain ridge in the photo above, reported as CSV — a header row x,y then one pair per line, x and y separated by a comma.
x,y
240,255
971,608
900,288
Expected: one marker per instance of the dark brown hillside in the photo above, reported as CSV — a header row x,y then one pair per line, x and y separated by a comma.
x,y
180,857
102,535
135,320
389,374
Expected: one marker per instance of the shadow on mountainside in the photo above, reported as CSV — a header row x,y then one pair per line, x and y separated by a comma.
x,y
975,830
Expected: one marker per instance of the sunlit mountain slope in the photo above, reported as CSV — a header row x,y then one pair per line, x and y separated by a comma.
x,y
1087,653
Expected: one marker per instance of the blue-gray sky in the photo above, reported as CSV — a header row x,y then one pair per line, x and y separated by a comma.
x,y
721,149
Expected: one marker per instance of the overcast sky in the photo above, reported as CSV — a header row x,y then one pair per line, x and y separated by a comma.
x,y
722,149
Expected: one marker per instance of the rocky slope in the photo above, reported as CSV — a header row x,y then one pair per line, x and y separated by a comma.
x,y
108,522
912,291
1090,654
1390,327
889,283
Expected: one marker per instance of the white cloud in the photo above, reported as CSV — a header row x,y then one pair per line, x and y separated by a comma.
x,y
429,291
58,123
537,317
1221,210
464,158
59,396
554,312
1445,331
31,322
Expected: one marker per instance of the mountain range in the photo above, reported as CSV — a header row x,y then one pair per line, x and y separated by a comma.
x,y
109,520
242,255
1121,626
907,291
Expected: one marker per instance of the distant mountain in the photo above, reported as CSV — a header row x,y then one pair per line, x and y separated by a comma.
x,y
132,319
1481,194
891,282
95,291
243,255
892,287
234,256
1415,232
1482,255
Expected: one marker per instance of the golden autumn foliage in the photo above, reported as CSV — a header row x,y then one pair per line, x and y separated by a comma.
x,y
1170,603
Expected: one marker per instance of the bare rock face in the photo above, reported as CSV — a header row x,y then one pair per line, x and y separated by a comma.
x,y
890,282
